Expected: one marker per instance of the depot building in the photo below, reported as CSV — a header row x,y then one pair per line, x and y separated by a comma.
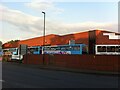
x,y
98,41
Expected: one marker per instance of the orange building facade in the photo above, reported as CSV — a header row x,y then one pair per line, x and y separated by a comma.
x,y
91,38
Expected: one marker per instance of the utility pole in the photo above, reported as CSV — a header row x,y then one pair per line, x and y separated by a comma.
x,y
44,38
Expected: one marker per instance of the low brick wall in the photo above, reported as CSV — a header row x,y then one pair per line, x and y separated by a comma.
x,y
84,62
32,59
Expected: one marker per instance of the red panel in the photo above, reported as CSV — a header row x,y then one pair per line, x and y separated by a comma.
x,y
86,62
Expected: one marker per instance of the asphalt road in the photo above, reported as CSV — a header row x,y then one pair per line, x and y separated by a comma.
x,y
21,76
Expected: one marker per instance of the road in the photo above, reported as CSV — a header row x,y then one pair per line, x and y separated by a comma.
x,y
23,76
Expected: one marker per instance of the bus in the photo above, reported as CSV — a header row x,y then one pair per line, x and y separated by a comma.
x,y
66,49
107,49
7,54
12,53
15,54
35,50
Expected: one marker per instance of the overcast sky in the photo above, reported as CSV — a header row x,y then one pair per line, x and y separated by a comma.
x,y
23,20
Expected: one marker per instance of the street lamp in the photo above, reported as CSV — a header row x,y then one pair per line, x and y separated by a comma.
x,y
44,30
43,37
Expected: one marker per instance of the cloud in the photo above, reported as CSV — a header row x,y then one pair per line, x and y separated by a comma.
x,y
85,26
43,5
28,23
19,19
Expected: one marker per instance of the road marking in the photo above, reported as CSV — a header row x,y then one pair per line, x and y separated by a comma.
x,y
2,80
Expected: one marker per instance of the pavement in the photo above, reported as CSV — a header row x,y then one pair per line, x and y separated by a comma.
x,y
17,75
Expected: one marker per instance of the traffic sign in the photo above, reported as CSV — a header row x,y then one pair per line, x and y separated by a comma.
x,y
23,49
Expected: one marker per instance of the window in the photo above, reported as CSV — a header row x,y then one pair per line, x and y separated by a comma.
x,y
71,48
76,47
67,48
62,48
12,49
16,52
101,48
47,48
85,50
117,49
57,48
36,49
31,50
110,48
5,50
53,48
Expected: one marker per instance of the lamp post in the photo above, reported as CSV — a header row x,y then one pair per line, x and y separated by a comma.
x,y
43,37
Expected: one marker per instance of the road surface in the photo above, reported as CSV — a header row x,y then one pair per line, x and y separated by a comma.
x,y
22,76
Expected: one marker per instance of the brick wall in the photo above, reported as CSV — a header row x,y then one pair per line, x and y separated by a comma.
x,y
84,62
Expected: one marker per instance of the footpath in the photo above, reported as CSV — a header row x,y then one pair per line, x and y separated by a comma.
x,y
0,58
56,68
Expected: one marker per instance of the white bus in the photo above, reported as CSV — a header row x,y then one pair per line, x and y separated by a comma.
x,y
15,54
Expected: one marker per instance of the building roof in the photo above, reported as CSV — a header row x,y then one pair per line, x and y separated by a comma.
x,y
80,37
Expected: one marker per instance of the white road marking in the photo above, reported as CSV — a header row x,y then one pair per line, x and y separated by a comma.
x,y
2,81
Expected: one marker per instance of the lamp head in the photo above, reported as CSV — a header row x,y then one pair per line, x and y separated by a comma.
x,y
43,12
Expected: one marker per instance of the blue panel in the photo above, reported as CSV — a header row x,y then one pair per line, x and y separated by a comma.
x,y
76,52
36,52
14,53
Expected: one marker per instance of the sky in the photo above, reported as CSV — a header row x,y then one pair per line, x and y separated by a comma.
x,y
24,20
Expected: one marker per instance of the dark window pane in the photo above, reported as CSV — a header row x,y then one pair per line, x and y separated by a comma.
x,y
76,47
117,49
101,48
84,49
110,48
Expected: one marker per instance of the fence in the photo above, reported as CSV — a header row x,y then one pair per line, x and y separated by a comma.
x,y
84,62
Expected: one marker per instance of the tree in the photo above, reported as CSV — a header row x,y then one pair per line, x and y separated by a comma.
x,y
0,43
13,41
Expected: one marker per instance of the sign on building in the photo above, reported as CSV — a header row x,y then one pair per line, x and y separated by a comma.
x,y
23,49
71,42
112,35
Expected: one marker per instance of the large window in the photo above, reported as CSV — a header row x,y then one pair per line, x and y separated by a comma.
x,y
31,50
77,48
117,49
5,50
69,48
15,52
63,48
47,48
101,48
12,49
52,48
36,49
85,50
110,48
